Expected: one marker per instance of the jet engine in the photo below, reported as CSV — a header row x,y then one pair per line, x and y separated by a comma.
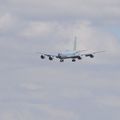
x,y
42,57
79,58
50,58
89,55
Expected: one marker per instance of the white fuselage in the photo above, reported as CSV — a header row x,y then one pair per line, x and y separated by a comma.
x,y
69,54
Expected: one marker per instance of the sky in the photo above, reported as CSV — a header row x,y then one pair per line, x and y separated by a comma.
x,y
31,88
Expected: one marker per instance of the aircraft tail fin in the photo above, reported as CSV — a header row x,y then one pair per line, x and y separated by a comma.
x,y
75,44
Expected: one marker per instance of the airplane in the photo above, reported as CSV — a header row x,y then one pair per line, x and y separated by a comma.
x,y
69,54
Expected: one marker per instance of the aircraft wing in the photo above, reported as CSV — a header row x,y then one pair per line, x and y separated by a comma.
x,y
48,55
91,54
80,51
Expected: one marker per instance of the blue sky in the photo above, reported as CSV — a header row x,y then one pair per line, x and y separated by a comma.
x,y
34,89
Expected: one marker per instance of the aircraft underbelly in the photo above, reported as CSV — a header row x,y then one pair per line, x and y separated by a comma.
x,y
67,57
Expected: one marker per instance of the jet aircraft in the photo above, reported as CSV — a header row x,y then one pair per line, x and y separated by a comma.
x,y
69,54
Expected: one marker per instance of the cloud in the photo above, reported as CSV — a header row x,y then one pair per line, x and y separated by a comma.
x,y
26,112
109,101
38,29
6,22
91,37
108,11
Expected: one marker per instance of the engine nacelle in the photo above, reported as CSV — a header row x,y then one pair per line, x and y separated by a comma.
x,y
42,57
50,58
89,55
79,58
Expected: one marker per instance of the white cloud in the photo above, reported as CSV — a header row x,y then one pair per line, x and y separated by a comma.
x,y
25,111
36,29
92,37
6,22
74,9
55,113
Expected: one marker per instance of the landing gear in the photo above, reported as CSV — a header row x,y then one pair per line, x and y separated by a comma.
x,y
79,58
73,60
61,60
50,58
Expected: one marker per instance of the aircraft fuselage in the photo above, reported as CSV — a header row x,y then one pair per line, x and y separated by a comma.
x,y
68,54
